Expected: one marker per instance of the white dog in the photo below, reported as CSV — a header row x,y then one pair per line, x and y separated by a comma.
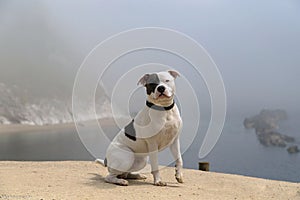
x,y
155,127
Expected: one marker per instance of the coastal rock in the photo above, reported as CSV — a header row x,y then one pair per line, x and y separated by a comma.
x,y
266,120
293,149
266,124
274,139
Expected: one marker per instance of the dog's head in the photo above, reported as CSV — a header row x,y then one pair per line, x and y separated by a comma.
x,y
160,87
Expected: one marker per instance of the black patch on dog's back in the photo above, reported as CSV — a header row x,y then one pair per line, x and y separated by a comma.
x,y
130,131
151,83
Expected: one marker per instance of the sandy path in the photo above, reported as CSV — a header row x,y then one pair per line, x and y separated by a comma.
x,y
84,180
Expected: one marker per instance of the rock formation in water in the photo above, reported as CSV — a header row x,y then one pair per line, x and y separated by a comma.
x,y
274,139
266,124
293,149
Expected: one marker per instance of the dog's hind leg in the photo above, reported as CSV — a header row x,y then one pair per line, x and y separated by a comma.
x,y
139,163
113,178
119,162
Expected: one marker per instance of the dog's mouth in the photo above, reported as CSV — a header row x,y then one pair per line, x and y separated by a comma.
x,y
162,95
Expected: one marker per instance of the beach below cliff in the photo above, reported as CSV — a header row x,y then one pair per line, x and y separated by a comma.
x,y
85,180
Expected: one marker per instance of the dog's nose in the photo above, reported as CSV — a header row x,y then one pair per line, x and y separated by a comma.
x,y
161,89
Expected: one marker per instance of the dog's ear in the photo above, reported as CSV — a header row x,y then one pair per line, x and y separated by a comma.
x,y
143,80
173,73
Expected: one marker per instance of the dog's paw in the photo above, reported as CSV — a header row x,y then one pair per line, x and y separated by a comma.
x,y
141,176
122,182
115,180
160,183
136,176
179,178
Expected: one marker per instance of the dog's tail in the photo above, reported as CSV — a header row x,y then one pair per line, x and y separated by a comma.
x,y
101,162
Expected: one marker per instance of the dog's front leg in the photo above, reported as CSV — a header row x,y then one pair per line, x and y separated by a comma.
x,y
175,149
153,151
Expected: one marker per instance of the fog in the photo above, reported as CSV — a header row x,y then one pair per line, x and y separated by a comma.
x,y
255,44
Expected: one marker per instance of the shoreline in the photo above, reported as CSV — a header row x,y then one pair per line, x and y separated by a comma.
x,y
11,128
85,180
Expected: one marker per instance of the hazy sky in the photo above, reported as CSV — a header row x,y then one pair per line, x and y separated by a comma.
x,y
255,43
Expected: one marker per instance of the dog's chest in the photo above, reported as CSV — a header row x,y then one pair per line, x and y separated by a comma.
x,y
168,133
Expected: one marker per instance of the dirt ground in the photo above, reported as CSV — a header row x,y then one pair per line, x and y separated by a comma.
x,y
85,180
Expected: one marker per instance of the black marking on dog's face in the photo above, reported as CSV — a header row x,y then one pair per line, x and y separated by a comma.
x,y
151,83
130,131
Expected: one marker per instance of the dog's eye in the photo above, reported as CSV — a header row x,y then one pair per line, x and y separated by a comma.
x,y
167,80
